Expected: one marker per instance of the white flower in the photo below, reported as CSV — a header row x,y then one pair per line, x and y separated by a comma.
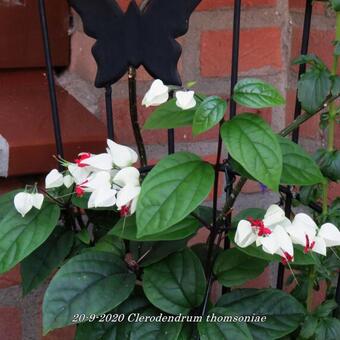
x,y
330,234
185,99
157,94
269,233
127,176
306,233
79,174
122,156
102,198
127,199
68,181
25,201
54,179
98,162
98,180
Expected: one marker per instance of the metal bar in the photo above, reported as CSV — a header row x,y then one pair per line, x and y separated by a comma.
x,y
50,78
297,113
233,106
337,298
171,141
109,112
134,116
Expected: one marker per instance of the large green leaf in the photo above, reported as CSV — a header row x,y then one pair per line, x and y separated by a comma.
x,y
252,143
127,229
209,113
90,283
129,328
169,115
109,244
234,268
257,94
36,267
176,284
299,168
213,330
151,252
175,187
329,162
329,329
20,236
314,88
283,312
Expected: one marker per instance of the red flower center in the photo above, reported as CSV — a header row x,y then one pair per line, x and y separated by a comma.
x,y
309,245
125,210
80,189
286,258
259,226
80,158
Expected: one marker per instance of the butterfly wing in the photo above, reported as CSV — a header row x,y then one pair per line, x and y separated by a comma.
x,y
104,21
163,22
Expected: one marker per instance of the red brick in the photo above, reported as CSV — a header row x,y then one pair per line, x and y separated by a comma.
x,y
262,281
259,47
320,44
299,5
334,191
217,4
12,278
10,323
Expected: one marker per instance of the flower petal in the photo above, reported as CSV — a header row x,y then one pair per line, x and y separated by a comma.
x,y
273,216
127,176
79,174
37,200
102,198
126,195
23,203
99,162
54,179
98,180
185,99
68,181
122,156
245,235
331,234
157,94
319,246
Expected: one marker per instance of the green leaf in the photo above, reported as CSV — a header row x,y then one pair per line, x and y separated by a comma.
x,y
314,88
175,187
90,283
255,213
209,330
328,329
326,308
257,94
329,162
335,86
152,252
336,5
176,284
283,312
169,116
127,229
109,244
81,202
84,236
311,59
234,268
37,267
126,329
20,236
309,326
299,168
252,143
209,113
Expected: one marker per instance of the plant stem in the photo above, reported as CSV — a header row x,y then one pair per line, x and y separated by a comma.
x,y
331,122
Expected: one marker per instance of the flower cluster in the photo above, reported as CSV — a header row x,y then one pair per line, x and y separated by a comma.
x,y
108,177
277,234
159,94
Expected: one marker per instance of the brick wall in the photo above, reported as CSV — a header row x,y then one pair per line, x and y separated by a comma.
x,y
270,39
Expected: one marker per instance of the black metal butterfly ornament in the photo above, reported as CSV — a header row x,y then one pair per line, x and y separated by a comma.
x,y
137,37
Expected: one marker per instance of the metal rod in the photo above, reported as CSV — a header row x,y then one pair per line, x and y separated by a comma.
x,y
50,78
171,141
109,112
134,116
297,113
302,67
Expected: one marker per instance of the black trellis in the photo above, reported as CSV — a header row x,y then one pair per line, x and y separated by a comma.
x,y
219,166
